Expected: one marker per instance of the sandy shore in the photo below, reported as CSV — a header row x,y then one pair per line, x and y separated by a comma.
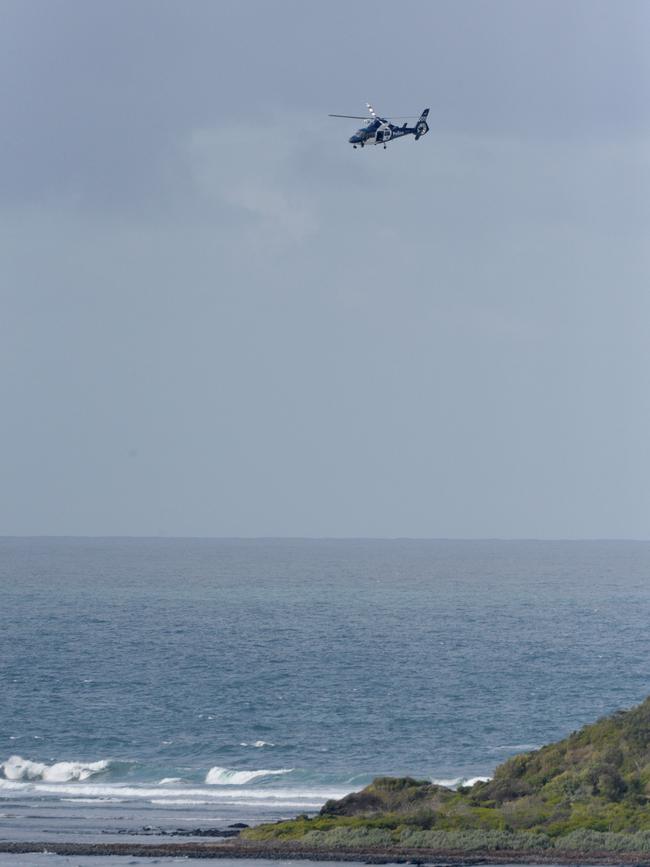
x,y
369,855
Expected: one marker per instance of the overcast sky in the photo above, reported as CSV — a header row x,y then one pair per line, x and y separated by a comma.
x,y
218,319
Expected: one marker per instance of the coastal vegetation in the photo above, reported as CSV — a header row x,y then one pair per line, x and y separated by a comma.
x,y
588,792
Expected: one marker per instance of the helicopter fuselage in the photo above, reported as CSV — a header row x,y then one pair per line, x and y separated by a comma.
x,y
378,130
381,131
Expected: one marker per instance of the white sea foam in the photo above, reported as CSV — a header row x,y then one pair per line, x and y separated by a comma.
x,y
18,768
516,748
460,781
179,802
258,744
314,796
229,777
167,780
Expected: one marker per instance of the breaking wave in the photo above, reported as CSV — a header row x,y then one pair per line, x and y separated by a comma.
x,y
229,777
460,781
307,797
17,768
120,780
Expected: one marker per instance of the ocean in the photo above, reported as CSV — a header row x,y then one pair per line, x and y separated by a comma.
x,y
168,686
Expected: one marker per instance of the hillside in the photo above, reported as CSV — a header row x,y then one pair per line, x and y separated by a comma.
x,y
592,788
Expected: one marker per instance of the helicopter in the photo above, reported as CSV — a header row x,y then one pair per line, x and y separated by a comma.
x,y
378,130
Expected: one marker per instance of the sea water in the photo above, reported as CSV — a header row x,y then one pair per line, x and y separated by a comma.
x,y
151,686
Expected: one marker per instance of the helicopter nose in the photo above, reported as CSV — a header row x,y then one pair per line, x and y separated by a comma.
x,y
354,139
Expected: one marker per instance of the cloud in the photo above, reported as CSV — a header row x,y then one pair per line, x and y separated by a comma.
x,y
249,168
297,337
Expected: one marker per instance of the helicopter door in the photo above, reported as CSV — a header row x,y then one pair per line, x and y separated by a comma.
x,y
383,135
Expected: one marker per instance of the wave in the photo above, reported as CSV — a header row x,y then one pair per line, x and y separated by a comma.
x,y
115,772
257,744
111,778
304,795
516,748
230,777
18,768
460,781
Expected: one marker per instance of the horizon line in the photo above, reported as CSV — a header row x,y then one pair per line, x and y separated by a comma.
x,y
325,538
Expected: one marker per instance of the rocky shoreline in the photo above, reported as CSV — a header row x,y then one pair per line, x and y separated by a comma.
x,y
583,800
295,851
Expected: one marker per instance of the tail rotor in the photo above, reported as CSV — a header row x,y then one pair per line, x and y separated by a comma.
x,y
422,127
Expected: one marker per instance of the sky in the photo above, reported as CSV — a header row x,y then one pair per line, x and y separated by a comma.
x,y
218,319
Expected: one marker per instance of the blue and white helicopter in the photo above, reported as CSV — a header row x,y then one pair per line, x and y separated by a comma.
x,y
378,130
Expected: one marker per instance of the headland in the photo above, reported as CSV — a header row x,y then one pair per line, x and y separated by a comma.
x,y
584,799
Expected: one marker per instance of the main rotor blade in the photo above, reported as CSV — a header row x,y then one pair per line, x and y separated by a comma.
x,y
391,117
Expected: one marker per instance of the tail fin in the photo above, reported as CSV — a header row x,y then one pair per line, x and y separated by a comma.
x,y
422,127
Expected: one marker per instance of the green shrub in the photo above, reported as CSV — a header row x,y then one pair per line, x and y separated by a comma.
x,y
341,838
473,841
585,840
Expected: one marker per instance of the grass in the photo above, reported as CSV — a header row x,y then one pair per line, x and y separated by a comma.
x,y
587,792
